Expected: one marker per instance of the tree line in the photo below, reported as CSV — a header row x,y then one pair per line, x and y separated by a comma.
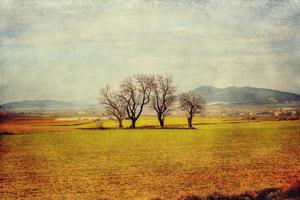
x,y
136,91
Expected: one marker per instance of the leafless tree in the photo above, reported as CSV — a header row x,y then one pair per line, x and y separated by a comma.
x,y
114,104
163,96
136,92
192,104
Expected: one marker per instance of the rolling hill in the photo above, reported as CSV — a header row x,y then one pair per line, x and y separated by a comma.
x,y
246,95
46,105
229,95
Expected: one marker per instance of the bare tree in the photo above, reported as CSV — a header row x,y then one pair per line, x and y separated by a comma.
x,y
163,96
114,104
136,92
192,104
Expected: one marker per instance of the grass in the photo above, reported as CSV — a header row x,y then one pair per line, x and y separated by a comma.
x,y
222,155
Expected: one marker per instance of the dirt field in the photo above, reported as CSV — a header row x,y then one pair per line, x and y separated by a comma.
x,y
46,158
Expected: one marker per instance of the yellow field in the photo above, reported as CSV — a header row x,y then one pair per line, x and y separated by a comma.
x,y
73,160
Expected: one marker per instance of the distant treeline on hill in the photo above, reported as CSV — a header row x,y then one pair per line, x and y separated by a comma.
x,y
230,95
246,95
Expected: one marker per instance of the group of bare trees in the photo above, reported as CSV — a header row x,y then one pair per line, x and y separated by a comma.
x,y
141,89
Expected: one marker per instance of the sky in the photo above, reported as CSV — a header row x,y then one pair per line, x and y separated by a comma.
x,y
68,50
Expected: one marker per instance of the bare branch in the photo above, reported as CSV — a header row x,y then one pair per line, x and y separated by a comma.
x,y
163,96
136,91
192,104
114,104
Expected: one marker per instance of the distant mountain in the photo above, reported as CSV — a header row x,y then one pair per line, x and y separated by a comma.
x,y
245,95
229,95
45,105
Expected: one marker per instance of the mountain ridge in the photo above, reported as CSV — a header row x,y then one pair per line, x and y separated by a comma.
x,y
47,104
246,95
228,95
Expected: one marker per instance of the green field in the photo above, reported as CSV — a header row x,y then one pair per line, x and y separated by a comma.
x,y
218,156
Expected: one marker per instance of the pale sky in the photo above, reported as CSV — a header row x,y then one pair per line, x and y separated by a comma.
x,y
67,50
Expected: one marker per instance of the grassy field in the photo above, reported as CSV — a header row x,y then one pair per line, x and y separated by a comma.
x,y
48,159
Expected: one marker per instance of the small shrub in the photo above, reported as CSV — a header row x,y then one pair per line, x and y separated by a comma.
x,y
99,124
294,191
242,197
217,196
192,198
270,194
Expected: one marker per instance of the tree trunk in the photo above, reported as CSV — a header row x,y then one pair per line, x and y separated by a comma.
x,y
133,123
161,122
120,124
190,122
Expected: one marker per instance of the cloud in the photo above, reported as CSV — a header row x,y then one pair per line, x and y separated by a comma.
x,y
80,46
